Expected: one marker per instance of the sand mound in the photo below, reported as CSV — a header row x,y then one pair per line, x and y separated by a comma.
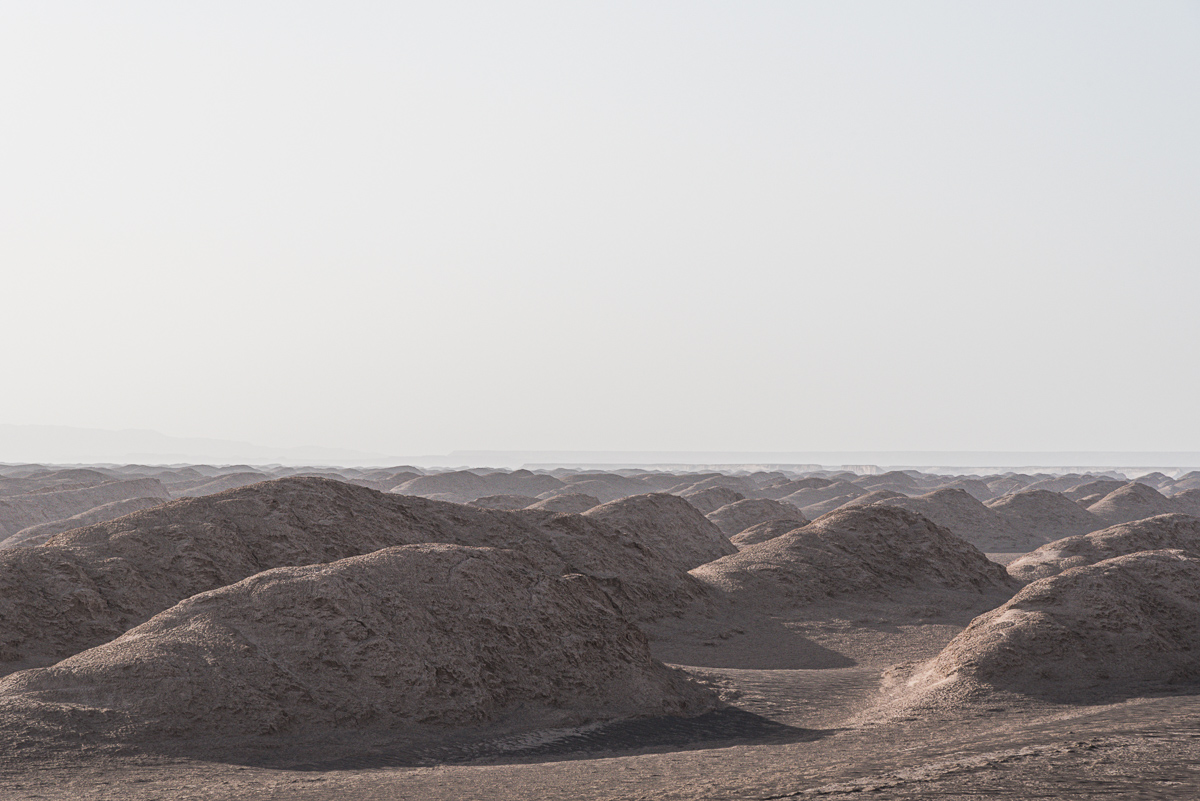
x,y
713,498
668,525
736,517
36,535
1109,629
738,484
977,489
765,531
601,490
817,510
424,635
956,510
892,478
573,503
87,585
507,502
42,481
1101,486
813,495
211,486
864,554
1034,518
1162,532
1133,501
1188,502
468,485
18,512
1006,485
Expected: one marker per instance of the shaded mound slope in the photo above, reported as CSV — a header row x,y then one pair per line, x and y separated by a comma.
x,y
86,586
1037,517
1188,502
36,535
736,517
427,635
816,510
861,555
817,494
713,498
503,502
1132,501
43,481
766,531
1114,628
572,503
1161,532
467,485
18,512
958,511
1103,486
667,524
211,486
976,488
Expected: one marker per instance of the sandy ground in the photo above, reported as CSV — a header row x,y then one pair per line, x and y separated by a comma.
x,y
789,733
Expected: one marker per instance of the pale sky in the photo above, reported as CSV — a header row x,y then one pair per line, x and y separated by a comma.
x,y
763,226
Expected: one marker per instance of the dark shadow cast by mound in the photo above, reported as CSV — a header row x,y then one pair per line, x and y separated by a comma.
x,y
717,729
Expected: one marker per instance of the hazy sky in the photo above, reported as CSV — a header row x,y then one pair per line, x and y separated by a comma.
x,y
775,226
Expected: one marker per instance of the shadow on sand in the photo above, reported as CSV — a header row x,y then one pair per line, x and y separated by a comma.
x,y
717,729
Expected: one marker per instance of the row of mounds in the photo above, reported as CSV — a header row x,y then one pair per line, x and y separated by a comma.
x,y
86,586
305,608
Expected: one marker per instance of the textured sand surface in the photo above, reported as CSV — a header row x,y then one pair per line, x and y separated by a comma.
x,y
89,585
1154,533
419,635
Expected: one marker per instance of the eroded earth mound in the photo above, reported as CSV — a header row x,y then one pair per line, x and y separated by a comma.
x,y
1118,627
422,635
857,555
1161,532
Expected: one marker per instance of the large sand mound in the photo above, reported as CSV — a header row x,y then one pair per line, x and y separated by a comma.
x,y
736,517
668,525
1188,502
864,554
1114,628
1132,501
809,496
1037,517
766,531
87,585
211,486
957,510
36,535
423,635
1101,486
504,502
572,503
1161,532
816,510
467,485
976,488
18,512
713,498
